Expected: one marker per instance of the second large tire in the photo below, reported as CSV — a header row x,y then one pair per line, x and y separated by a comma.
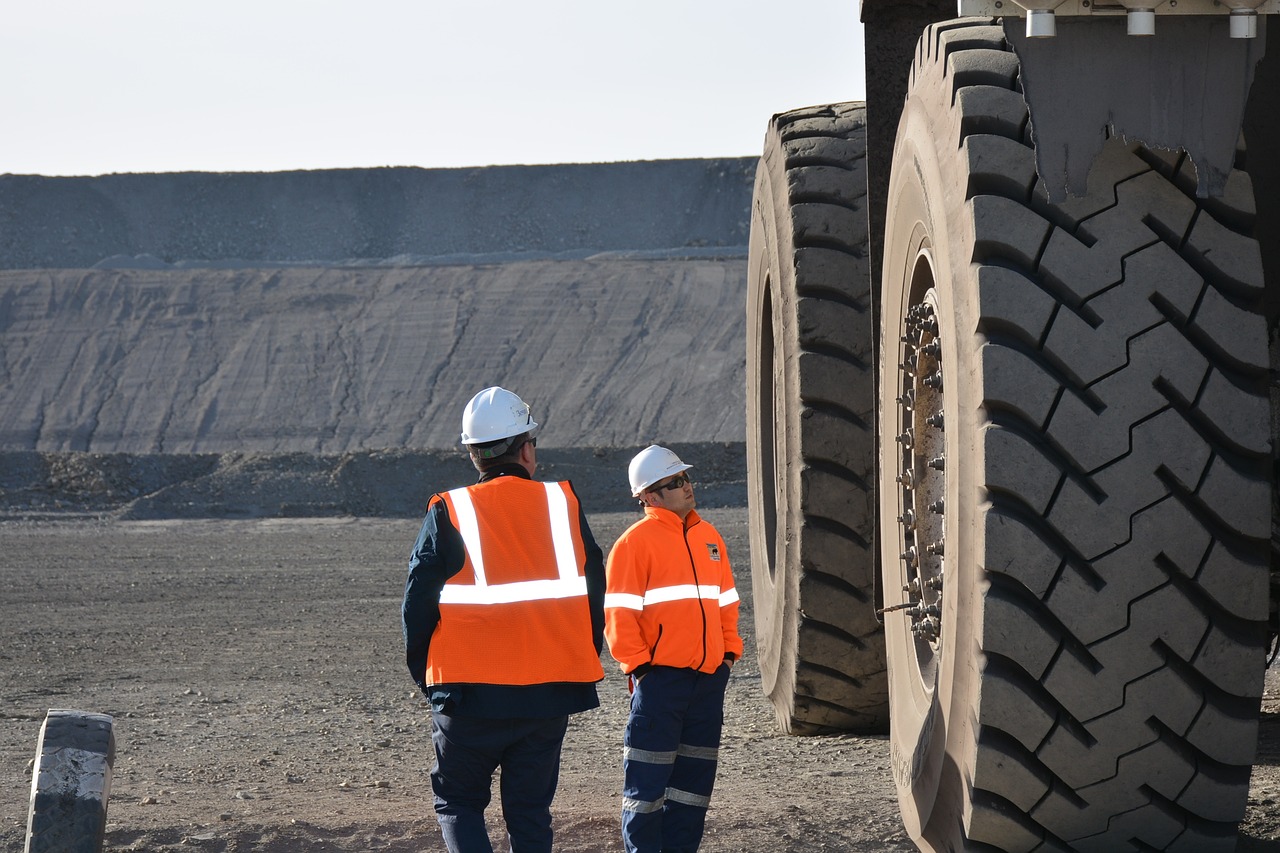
x,y
810,437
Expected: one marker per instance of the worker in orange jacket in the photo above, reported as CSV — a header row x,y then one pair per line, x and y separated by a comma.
x,y
503,624
671,619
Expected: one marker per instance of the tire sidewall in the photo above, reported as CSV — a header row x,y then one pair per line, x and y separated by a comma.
x,y
774,587
925,225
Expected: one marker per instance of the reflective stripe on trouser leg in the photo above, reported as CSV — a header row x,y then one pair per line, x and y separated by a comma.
x,y
669,760
694,774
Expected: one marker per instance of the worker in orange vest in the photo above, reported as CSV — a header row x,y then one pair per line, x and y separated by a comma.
x,y
671,619
503,626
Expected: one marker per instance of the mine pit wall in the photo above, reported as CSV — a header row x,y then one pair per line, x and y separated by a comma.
x,y
357,310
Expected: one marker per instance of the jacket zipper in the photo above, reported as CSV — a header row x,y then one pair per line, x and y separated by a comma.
x,y
702,610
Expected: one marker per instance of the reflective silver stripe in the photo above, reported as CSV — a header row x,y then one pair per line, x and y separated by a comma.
x,y
569,584
630,753
469,528
561,535
709,753
729,597
675,795
642,807
680,592
507,593
624,600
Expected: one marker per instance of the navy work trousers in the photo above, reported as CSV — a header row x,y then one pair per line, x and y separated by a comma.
x,y
468,750
669,756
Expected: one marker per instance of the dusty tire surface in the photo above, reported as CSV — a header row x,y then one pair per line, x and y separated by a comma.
x,y
71,783
810,437
1082,408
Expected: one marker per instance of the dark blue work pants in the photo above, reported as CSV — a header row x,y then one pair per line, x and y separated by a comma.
x,y
669,756
468,750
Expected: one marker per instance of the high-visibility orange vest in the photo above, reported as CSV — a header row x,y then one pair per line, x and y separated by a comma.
x,y
517,611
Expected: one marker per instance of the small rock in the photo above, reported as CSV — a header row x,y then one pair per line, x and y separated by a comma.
x,y
149,801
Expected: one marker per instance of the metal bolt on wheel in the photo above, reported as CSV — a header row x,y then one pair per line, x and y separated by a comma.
x,y
922,479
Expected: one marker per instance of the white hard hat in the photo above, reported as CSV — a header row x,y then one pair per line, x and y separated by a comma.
x,y
652,464
494,414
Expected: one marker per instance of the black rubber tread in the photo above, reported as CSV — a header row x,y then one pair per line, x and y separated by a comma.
x,y
1122,369
72,783
810,428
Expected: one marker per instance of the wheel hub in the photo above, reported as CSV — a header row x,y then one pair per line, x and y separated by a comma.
x,y
922,479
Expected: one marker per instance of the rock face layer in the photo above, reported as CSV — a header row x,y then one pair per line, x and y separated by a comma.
x,y
372,214
327,360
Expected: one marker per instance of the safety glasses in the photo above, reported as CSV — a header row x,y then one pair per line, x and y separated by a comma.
x,y
677,482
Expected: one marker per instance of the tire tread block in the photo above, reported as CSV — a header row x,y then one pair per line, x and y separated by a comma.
x,y
1091,261
1239,334
835,326
833,270
1017,551
993,110
1092,349
1235,259
1013,306
1159,360
1096,607
1098,521
1006,230
1018,384
840,187
830,226
999,165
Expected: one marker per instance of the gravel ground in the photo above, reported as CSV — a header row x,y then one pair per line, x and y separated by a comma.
x,y
254,670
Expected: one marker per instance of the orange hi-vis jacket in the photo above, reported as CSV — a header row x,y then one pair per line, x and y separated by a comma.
x,y
669,595
517,612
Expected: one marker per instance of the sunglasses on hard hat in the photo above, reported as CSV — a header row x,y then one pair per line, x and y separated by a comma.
x,y
678,481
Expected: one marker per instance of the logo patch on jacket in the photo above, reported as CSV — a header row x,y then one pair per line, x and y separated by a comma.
x,y
713,551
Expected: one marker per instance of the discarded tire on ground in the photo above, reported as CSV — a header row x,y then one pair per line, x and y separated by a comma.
x,y
70,783
810,418
1077,540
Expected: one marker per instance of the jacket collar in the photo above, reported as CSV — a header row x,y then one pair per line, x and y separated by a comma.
x,y
510,469
669,518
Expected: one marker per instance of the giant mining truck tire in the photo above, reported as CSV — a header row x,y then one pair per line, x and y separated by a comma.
x,y
1074,518
810,422
70,783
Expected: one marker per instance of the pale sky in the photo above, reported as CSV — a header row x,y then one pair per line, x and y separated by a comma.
x,y
91,87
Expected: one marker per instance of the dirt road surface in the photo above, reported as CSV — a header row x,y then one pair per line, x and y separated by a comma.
x,y
254,670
